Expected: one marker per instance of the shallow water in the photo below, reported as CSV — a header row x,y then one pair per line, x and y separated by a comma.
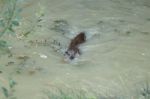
x,y
114,60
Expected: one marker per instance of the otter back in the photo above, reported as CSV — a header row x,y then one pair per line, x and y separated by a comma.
x,y
73,48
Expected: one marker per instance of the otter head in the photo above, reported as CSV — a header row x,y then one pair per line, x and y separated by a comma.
x,y
70,54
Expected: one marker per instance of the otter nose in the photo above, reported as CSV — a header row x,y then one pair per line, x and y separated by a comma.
x,y
71,57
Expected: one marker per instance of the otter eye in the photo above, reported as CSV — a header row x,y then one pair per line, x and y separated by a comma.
x,y
67,53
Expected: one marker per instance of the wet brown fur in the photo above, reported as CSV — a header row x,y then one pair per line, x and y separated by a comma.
x,y
73,48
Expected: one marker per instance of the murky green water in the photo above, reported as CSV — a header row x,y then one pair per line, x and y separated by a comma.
x,y
115,58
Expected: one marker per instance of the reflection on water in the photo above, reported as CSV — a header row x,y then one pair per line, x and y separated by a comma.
x,y
114,63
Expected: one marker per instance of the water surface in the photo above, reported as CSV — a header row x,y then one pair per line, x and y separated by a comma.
x,y
114,60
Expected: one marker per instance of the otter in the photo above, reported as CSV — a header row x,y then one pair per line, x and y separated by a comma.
x,y
73,48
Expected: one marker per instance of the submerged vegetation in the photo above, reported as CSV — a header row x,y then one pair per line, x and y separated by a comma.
x,y
146,91
4,47
8,91
60,26
9,17
69,93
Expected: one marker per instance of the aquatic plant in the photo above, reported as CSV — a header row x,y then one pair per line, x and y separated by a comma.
x,y
78,94
34,24
3,43
9,18
148,19
4,47
146,91
60,26
71,93
68,94
8,91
